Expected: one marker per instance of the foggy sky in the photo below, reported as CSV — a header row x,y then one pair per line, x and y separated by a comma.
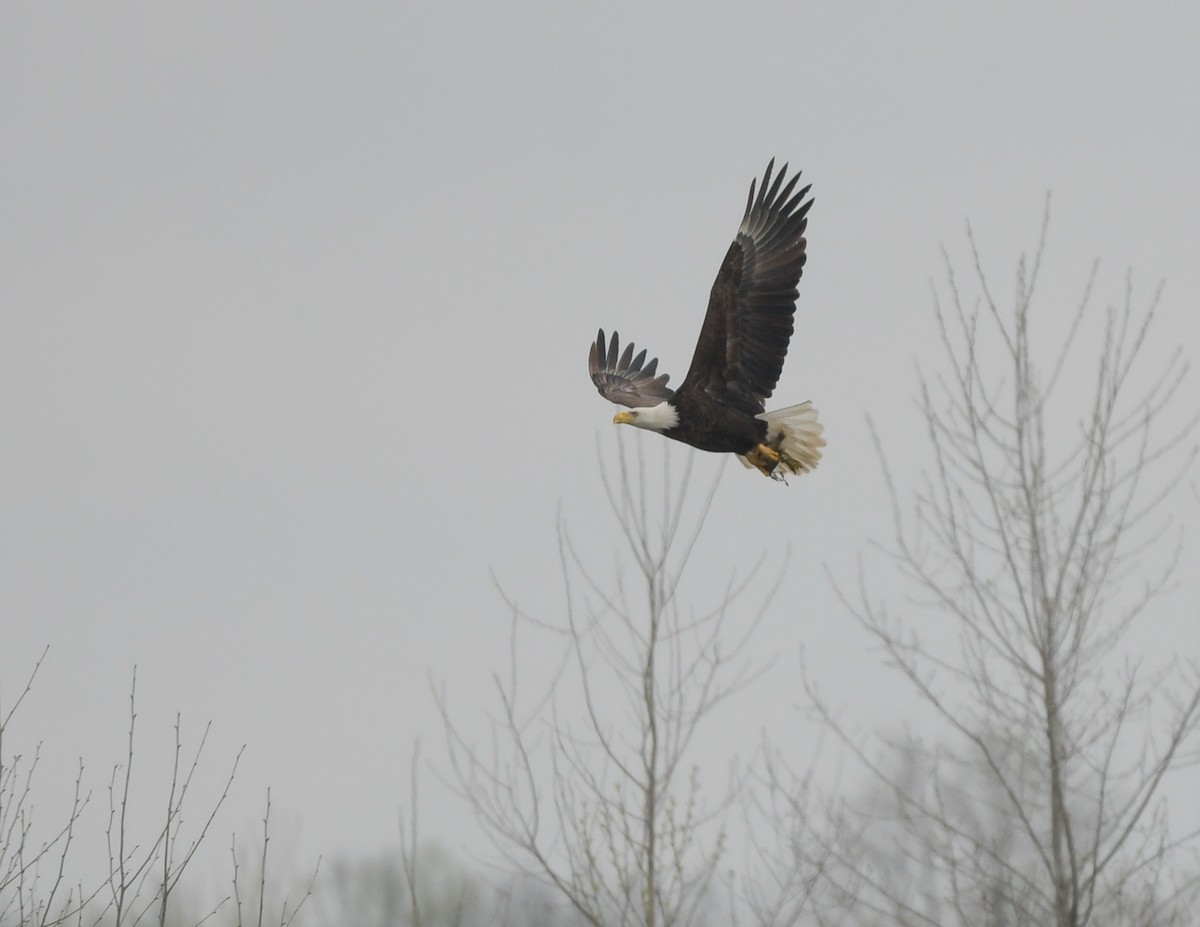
x,y
295,302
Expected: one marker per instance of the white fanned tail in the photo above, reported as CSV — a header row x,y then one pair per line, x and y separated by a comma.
x,y
796,434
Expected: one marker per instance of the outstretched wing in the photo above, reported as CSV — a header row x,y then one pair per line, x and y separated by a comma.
x,y
746,331
622,378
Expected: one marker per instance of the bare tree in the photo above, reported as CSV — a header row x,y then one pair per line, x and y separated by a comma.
x,y
143,876
1042,533
25,892
590,782
145,872
252,911
788,855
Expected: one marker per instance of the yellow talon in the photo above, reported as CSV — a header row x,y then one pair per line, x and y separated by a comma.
x,y
765,458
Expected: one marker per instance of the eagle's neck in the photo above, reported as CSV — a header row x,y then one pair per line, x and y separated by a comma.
x,y
658,418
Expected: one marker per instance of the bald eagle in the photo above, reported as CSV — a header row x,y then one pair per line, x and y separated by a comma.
x,y
720,404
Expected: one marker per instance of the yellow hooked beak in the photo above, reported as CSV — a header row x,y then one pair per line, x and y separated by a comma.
x,y
623,418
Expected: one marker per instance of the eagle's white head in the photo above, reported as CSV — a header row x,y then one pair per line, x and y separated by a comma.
x,y
654,418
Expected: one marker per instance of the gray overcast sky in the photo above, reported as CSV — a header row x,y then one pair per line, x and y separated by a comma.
x,y
296,300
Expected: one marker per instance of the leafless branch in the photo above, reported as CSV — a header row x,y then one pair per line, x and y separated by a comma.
x,y
588,782
1031,533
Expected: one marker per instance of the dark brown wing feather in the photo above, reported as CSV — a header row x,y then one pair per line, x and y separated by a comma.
x,y
622,378
745,335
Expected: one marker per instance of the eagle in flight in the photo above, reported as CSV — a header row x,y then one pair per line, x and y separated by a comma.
x,y
720,405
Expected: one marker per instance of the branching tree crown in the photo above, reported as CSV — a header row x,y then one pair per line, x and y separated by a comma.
x,y
1043,531
591,783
